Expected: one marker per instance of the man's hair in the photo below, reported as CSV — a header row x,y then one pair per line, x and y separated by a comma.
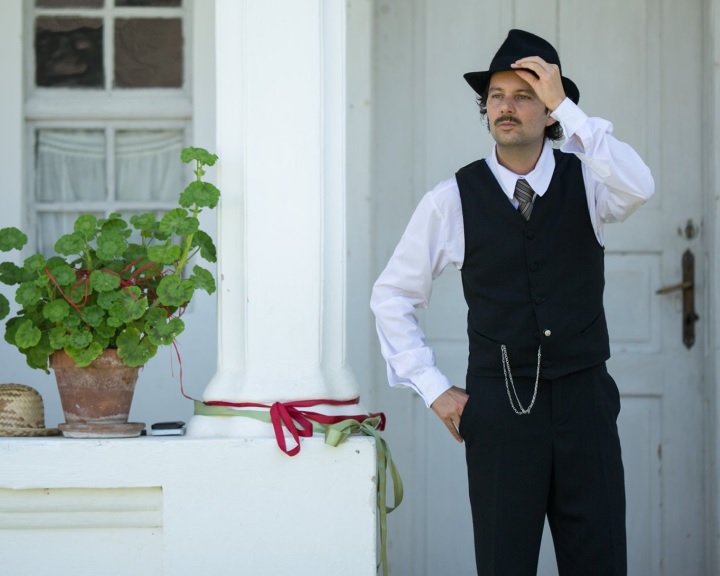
x,y
553,132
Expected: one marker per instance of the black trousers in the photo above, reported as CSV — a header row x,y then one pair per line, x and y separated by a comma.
x,y
562,460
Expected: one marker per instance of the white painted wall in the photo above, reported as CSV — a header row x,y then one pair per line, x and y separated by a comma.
x,y
186,507
712,243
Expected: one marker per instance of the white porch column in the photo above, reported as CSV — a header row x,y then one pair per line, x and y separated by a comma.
x,y
281,233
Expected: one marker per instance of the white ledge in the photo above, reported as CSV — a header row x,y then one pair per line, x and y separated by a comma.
x,y
187,506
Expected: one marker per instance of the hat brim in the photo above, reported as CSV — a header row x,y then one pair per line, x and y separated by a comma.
x,y
479,81
28,432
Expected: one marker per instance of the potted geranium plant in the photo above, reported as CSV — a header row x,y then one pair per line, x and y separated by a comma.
x,y
112,293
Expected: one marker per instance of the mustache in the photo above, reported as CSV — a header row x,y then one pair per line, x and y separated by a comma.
x,y
507,118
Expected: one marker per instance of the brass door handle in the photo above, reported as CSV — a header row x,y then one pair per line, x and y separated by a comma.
x,y
688,289
674,288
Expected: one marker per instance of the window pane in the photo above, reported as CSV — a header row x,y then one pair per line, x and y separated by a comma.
x,y
70,166
148,2
69,52
69,3
148,166
148,53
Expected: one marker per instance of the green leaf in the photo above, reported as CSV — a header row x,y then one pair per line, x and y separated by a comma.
x,y
135,253
34,263
86,226
104,330
166,254
200,194
27,294
69,244
27,335
37,356
103,341
79,292
12,274
42,281
189,226
72,321
107,299
133,300
191,153
11,328
103,281
144,222
115,224
12,238
174,291
4,307
58,339
172,221
162,330
202,280
85,355
129,306
80,338
93,315
63,274
206,245
110,245
56,310
132,350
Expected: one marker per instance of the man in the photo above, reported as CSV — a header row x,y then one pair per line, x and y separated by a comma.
x,y
525,227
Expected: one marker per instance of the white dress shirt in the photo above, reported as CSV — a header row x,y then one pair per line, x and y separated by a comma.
x,y
616,180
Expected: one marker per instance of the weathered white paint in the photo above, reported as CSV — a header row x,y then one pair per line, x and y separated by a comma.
x,y
426,127
281,140
12,120
360,333
712,243
186,506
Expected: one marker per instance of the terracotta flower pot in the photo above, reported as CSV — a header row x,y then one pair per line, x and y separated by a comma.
x,y
96,399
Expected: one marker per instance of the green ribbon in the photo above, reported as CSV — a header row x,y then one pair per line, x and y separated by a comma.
x,y
335,434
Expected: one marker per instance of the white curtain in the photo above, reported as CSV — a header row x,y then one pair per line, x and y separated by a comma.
x,y
71,167
148,165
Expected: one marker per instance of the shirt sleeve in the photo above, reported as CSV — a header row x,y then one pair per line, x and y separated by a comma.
x,y
433,239
617,180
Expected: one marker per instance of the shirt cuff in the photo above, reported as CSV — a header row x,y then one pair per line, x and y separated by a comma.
x,y
570,116
431,384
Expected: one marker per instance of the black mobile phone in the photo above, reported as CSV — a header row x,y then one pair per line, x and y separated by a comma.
x,y
173,428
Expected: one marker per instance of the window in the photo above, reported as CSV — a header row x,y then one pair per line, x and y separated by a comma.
x,y
107,109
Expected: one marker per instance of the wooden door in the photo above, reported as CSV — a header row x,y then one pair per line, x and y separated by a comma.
x,y
635,66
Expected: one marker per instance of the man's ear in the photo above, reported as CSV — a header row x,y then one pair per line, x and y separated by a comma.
x,y
550,120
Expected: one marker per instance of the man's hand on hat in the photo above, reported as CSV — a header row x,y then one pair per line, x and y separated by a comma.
x,y
546,80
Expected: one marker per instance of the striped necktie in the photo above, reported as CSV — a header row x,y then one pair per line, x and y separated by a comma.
x,y
524,195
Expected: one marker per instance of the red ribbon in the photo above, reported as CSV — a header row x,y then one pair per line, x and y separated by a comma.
x,y
298,422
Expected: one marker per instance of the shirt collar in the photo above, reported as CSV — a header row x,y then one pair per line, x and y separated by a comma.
x,y
539,178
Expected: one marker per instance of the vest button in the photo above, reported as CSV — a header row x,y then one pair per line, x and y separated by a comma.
x,y
547,333
538,300
534,267
529,234
546,364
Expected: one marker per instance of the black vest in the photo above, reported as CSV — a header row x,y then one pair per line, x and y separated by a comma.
x,y
532,283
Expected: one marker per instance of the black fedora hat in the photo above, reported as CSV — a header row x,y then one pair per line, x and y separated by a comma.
x,y
520,44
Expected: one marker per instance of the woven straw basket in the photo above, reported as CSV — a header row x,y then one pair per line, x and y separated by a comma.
x,y
22,412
